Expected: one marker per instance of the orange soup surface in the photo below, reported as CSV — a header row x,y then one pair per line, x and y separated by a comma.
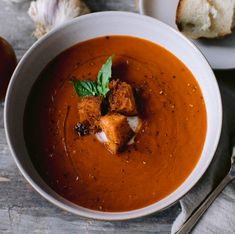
x,y
165,151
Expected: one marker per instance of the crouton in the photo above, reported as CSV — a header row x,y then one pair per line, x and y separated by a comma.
x,y
89,111
121,98
117,130
112,147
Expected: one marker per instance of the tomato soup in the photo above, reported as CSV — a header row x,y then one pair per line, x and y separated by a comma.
x,y
165,151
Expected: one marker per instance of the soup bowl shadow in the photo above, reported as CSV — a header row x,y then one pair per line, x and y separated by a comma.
x,y
92,26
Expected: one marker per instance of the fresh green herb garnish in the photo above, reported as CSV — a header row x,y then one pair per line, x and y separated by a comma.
x,y
104,77
85,88
92,88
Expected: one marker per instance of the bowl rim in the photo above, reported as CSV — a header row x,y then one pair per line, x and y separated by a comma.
x,y
123,215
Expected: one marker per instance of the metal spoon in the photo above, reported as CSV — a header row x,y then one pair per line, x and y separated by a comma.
x,y
193,219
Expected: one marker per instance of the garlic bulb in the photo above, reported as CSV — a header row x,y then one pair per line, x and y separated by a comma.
x,y
48,14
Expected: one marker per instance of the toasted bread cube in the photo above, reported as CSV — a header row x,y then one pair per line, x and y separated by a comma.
x,y
121,98
112,147
89,111
117,130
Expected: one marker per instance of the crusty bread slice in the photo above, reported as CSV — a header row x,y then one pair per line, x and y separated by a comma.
x,y
222,22
205,18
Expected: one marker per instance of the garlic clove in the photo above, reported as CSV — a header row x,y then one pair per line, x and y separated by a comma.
x,y
49,14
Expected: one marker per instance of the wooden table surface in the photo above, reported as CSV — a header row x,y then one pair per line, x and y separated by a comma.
x,y
23,210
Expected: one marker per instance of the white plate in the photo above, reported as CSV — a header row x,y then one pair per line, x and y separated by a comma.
x,y
219,52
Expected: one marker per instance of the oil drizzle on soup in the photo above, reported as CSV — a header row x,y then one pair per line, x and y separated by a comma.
x,y
165,151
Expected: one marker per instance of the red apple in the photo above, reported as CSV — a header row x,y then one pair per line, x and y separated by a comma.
x,y
7,65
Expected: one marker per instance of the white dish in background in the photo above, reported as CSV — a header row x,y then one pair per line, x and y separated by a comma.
x,y
92,26
219,52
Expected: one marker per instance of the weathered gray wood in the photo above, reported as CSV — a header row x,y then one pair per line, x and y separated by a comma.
x,y
22,210
16,26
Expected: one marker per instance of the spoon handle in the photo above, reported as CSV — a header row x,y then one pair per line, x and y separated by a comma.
x,y
193,219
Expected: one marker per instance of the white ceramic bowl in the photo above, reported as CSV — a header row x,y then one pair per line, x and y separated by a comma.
x,y
91,26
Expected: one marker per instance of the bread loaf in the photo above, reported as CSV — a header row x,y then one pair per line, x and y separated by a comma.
x,y
205,18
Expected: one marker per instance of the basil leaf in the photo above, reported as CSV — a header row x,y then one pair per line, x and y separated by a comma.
x,y
104,77
85,88
92,88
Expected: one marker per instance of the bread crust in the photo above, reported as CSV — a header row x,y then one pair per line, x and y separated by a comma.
x,y
178,12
